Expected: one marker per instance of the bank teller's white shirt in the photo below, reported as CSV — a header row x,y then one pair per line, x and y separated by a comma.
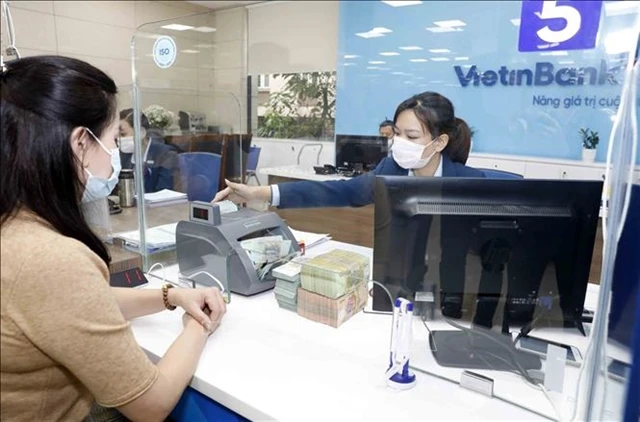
x,y
275,191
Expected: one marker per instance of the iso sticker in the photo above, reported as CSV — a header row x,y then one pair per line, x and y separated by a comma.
x,y
164,52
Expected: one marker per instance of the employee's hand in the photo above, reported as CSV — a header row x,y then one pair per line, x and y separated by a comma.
x,y
240,194
206,306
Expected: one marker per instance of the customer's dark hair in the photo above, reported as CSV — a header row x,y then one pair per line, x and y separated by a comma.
x,y
437,114
43,99
127,116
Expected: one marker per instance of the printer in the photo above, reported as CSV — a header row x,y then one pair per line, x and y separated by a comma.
x,y
208,247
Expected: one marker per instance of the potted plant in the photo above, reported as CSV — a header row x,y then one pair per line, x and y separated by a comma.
x,y
159,118
590,140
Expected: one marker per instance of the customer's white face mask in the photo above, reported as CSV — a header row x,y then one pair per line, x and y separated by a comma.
x,y
126,144
408,154
98,187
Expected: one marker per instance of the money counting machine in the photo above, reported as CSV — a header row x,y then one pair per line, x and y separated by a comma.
x,y
209,244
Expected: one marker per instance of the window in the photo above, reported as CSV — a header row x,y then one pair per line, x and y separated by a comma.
x,y
263,82
298,106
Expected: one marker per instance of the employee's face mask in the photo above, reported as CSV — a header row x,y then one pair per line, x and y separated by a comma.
x,y
408,154
126,144
99,187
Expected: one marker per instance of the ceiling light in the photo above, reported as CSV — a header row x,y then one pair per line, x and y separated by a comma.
x,y
566,62
408,82
460,59
410,48
349,64
450,24
440,29
188,51
554,53
515,22
350,56
615,8
205,29
402,3
369,35
439,59
418,60
381,30
439,50
399,73
177,27
377,62
204,46
372,67
389,53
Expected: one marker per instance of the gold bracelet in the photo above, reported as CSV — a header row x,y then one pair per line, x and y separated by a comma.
x,y
165,296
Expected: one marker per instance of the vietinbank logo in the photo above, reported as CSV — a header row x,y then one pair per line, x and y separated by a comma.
x,y
543,74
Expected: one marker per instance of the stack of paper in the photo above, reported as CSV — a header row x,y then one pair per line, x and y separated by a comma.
x,y
159,237
164,197
334,273
287,283
309,239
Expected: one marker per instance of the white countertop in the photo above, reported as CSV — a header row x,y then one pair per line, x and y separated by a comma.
x,y
299,172
268,363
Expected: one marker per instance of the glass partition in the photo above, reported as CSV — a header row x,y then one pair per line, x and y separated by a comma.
x,y
187,127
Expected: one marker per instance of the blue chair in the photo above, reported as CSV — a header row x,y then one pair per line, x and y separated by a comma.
x,y
200,174
500,174
252,163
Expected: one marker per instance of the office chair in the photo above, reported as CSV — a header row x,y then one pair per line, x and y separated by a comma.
x,y
500,174
200,174
252,163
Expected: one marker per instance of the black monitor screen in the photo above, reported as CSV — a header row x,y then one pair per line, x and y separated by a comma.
x,y
489,251
360,152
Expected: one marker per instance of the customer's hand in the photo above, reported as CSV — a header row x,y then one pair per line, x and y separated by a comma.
x,y
189,321
240,194
207,306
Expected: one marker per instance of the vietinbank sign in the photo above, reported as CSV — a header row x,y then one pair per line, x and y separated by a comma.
x,y
547,26
543,74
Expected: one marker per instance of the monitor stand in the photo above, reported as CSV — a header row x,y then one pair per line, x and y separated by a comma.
x,y
479,350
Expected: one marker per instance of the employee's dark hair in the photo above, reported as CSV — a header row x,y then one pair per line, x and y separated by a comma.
x,y
127,116
43,99
437,114
386,123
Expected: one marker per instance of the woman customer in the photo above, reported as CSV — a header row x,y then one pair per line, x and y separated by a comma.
x,y
65,337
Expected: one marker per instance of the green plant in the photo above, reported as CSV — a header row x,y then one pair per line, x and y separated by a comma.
x,y
313,92
590,139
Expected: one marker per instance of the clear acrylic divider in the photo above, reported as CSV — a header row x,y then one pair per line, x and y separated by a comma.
x,y
190,140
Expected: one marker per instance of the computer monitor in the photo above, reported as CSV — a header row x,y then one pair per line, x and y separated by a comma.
x,y
361,153
465,246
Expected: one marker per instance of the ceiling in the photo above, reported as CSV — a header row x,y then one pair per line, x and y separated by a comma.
x,y
223,4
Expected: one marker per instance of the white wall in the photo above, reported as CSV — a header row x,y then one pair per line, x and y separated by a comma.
x,y
293,36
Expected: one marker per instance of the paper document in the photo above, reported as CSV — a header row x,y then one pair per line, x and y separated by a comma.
x,y
159,237
165,195
309,239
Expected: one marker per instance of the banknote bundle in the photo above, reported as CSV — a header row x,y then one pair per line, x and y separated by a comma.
x,y
333,287
334,273
287,282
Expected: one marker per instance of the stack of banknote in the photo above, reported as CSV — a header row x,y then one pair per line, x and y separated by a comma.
x,y
287,282
267,252
335,273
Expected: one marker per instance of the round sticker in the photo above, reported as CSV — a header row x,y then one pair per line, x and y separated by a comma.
x,y
164,52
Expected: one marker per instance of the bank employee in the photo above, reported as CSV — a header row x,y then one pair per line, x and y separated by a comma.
x,y
160,159
65,337
429,141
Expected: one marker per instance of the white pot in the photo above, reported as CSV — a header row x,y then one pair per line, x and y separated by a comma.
x,y
588,155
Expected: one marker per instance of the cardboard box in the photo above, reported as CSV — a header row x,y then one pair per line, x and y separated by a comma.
x,y
333,312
